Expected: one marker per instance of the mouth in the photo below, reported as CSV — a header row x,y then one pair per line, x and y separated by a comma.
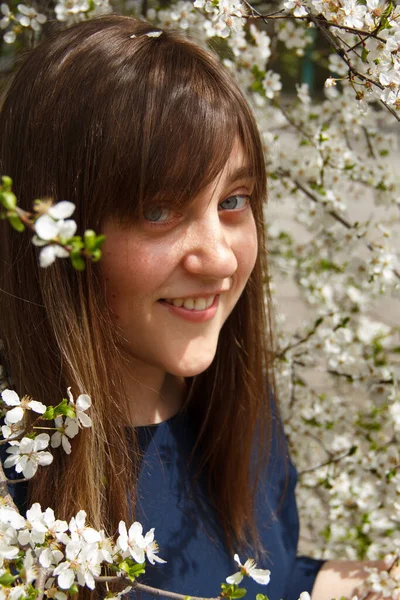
x,y
193,304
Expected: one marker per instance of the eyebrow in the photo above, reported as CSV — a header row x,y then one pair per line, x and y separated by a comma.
x,y
240,173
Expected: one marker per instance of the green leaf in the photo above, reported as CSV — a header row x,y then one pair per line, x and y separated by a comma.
x,y
16,222
90,239
49,414
262,597
364,55
238,593
132,570
232,591
99,241
65,409
7,182
137,569
78,262
96,255
8,200
7,579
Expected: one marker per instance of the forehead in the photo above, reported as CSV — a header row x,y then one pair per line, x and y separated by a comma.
x,y
236,168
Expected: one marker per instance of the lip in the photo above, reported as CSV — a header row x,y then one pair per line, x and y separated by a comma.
x,y
194,316
201,294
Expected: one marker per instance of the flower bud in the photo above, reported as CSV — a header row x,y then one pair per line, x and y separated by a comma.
x,y
7,182
8,200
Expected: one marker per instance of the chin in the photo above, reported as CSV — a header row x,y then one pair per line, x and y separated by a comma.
x,y
192,366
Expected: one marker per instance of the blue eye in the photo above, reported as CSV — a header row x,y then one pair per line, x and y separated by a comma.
x,y
158,214
234,202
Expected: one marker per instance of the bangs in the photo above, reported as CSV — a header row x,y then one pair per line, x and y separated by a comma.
x,y
182,115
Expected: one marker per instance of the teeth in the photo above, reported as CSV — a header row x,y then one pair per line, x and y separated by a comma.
x,y
210,301
188,303
200,304
191,303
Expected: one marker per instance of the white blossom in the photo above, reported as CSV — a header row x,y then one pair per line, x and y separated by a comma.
x,y
271,84
27,16
14,415
137,545
67,428
261,576
81,405
28,454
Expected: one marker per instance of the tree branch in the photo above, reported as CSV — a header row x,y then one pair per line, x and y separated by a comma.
x,y
342,220
150,590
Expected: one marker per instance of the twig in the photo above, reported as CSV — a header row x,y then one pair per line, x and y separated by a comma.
x,y
303,340
151,590
309,17
368,140
326,463
40,582
342,220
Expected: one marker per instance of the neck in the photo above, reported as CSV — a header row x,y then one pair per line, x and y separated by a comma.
x,y
152,396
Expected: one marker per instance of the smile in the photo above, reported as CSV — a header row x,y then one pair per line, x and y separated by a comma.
x,y
191,303
195,310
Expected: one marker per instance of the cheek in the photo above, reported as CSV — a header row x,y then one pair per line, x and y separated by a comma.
x,y
248,251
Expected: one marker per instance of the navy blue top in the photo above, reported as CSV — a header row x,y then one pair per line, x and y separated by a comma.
x,y
187,530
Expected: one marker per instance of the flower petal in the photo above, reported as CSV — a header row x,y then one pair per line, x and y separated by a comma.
x,y
38,407
45,458
46,228
83,402
10,397
261,576
66,579
62,210
47,256
41,441
84,420
29,469
14,415
66,444
236,578
67,229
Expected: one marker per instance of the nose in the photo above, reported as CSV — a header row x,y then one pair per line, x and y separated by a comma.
x,y
209,249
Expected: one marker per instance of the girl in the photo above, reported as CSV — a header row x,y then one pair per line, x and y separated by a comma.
x,y
157,148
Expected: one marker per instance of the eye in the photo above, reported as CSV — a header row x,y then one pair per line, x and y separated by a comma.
x,y
158,214
236,202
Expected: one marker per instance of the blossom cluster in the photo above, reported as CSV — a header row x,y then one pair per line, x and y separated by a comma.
x,y
71,553
28,450
54,232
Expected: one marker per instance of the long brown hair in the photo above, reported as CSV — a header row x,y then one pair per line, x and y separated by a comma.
x,y
110,118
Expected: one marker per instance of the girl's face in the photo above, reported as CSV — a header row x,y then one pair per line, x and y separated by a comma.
x,y
172,279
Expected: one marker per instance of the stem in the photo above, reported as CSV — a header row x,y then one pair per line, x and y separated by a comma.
x,y
40,582
332,213
303,340
277,15
151,590
15,481
323,25
326,463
